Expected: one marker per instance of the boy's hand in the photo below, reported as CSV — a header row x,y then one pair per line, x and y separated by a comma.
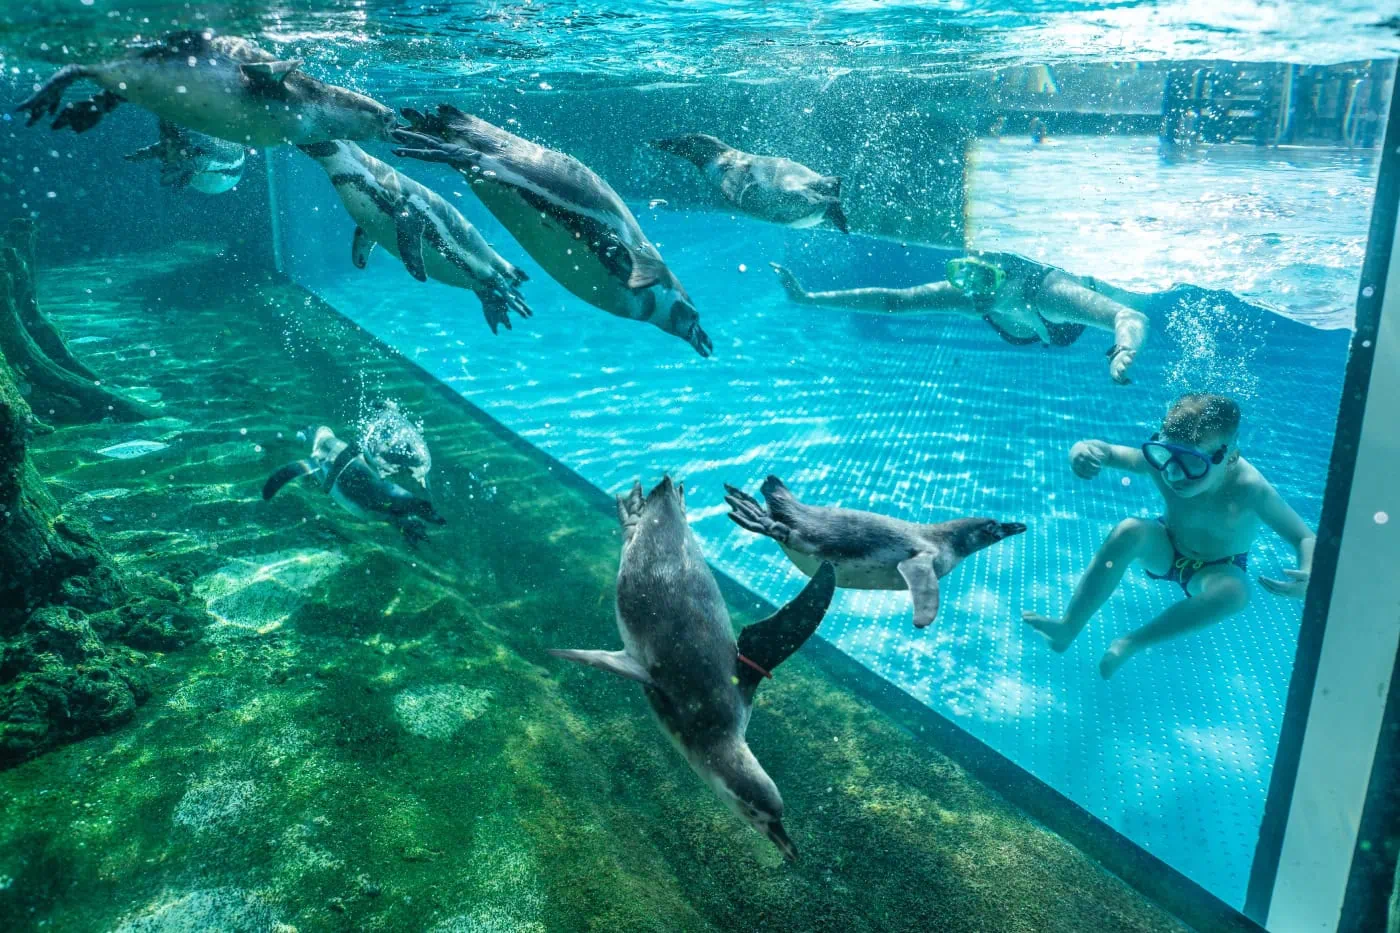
x,y
1086,459
1295,587
1118,366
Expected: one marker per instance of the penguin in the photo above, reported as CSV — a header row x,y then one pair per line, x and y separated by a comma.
x,y
568,219
356,487
430,236
392,442
194,160
780,191
221,86
869,551
678,644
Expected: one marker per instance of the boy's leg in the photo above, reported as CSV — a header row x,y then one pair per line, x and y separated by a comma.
x,y
1220,592
1133,539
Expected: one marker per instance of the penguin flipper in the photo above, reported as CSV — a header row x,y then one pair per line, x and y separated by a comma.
x,y
360,248
647,270
153,151
918,571
837,217
285,475
769,643
409,225
614,662
734,184
267,77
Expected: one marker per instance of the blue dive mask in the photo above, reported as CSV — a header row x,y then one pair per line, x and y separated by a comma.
x,y
1192,463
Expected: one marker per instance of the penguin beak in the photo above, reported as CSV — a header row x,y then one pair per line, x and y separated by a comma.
x,y
775,832
1009,529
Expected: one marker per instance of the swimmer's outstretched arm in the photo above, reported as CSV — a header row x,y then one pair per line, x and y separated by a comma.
x,y
1065,300
1088,457
1289,526
935,296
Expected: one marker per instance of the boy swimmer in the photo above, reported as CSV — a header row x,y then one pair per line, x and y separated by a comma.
x,y
1214,501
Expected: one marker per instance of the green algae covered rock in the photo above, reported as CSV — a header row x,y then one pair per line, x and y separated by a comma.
x,y
72,629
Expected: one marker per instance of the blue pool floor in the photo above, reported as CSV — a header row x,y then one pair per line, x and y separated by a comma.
x,y
924,419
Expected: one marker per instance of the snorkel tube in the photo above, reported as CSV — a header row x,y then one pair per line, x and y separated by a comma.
x,y
975,278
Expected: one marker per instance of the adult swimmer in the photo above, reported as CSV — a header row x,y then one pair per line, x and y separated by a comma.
x,y
1025,302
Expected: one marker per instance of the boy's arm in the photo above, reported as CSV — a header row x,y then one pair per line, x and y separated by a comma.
x,y
1279,516
1088,457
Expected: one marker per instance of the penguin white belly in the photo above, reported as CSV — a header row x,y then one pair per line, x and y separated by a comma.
x,y
854,573
568,259
382,229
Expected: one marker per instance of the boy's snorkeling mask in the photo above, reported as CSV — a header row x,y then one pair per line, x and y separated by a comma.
x,y
1192,463
975,278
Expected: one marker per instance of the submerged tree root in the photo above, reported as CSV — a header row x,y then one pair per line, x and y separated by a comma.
x,y
55,383
71,625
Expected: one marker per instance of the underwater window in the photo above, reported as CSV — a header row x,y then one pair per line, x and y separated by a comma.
x,y
1075,376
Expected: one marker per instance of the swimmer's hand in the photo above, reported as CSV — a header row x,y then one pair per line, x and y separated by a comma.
x,y
1295,587
1118,366
1086,458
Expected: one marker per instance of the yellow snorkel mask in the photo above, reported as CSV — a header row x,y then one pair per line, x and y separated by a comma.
x,y
975,278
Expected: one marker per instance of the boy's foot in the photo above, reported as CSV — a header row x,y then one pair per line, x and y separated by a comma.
x,y
1117,653
1055,631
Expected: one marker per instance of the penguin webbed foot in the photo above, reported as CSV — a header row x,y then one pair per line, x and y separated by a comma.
x,y
425,148
746,512
412,529
497,304
47,100
82,115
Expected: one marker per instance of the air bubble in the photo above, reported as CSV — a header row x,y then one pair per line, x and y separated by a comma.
x,y
1368,291
1381,517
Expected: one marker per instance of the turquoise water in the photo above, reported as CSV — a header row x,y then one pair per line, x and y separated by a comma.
x,y
1245,260
931,420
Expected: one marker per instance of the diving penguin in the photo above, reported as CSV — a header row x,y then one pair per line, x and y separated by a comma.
x,y
780,191
679,645
392,442
222,86
430,236
193,160
870,551
567,218
356,486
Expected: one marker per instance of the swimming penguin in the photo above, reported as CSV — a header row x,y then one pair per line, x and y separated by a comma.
x,y
356,487
871,552
222,86
392,442
430,236
188,159
777,190
678,644
566,217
